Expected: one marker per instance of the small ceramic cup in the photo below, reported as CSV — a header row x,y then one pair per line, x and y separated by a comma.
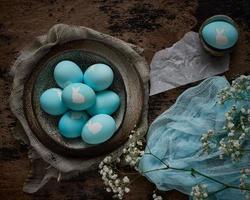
x,y
219,35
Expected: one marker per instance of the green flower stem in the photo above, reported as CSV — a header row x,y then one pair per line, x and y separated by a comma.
x,y
193,171
220,190
153,170
208,177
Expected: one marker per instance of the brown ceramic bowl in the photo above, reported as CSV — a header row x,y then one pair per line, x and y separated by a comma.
x,y
127,84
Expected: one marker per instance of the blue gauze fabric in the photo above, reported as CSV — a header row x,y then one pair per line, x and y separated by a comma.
x,y
174,137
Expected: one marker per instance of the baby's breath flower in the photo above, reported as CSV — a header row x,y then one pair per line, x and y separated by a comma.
x,y
199,192
125,179
205,139
231,134
236,129
100,165
127,190
131,156
230,125
237,125
134,151
107,159
236,91
244,181
111,179
155,196
124,150
243,110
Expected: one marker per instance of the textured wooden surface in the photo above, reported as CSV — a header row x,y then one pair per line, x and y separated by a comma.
x,y
150,24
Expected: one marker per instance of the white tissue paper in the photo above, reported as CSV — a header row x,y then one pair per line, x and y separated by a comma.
x,y
185,62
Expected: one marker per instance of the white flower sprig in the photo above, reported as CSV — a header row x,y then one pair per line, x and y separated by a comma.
x,y
235,132
205,139
237,91
155,196
237,122
244,175
236,128
133,152
111,180
199,192
130,157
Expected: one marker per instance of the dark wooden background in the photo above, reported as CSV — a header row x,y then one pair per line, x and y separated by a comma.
x,y
150,24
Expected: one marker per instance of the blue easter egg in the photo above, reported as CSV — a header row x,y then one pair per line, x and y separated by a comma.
x,y
98,76
98,129
78,96
220,34
51,102
107,102
71,123
67,72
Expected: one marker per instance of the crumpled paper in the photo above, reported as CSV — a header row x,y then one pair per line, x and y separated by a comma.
x,y
185,62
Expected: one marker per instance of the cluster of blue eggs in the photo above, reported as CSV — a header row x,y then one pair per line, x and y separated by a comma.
x,y
84,101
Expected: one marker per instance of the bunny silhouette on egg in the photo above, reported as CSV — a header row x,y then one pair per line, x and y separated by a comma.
x,y
219,36
77,97
94,127
221,39
98,129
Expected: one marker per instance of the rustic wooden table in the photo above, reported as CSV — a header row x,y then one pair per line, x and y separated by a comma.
x,y
150,24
